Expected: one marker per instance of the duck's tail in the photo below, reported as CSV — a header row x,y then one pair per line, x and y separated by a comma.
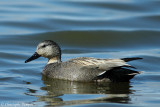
x,y
121,74
131,59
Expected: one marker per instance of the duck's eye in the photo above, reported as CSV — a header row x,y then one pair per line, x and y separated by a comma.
x,y
43,46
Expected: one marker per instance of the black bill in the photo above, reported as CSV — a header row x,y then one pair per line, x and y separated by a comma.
x,y
34,56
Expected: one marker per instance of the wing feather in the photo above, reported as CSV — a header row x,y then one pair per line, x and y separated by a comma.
x,y
101,64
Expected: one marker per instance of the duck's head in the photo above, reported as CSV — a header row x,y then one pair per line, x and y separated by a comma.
x,y
48,49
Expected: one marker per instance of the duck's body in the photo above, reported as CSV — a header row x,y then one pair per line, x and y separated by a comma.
x,y
82,68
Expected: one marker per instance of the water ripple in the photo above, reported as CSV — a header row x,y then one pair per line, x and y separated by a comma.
x,y
83,28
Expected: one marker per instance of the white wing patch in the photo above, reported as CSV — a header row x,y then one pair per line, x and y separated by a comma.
x,y
101,73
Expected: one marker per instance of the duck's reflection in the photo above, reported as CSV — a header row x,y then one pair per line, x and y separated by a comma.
x,y
111,92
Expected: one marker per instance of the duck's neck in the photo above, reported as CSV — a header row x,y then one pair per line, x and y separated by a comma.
x,y
54,60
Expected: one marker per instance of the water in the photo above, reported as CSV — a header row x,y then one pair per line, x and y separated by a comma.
x,y
91,28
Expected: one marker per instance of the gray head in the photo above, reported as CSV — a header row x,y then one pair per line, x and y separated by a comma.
x,y
48,49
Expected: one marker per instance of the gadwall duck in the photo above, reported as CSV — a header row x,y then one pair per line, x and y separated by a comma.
x,y
82,68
